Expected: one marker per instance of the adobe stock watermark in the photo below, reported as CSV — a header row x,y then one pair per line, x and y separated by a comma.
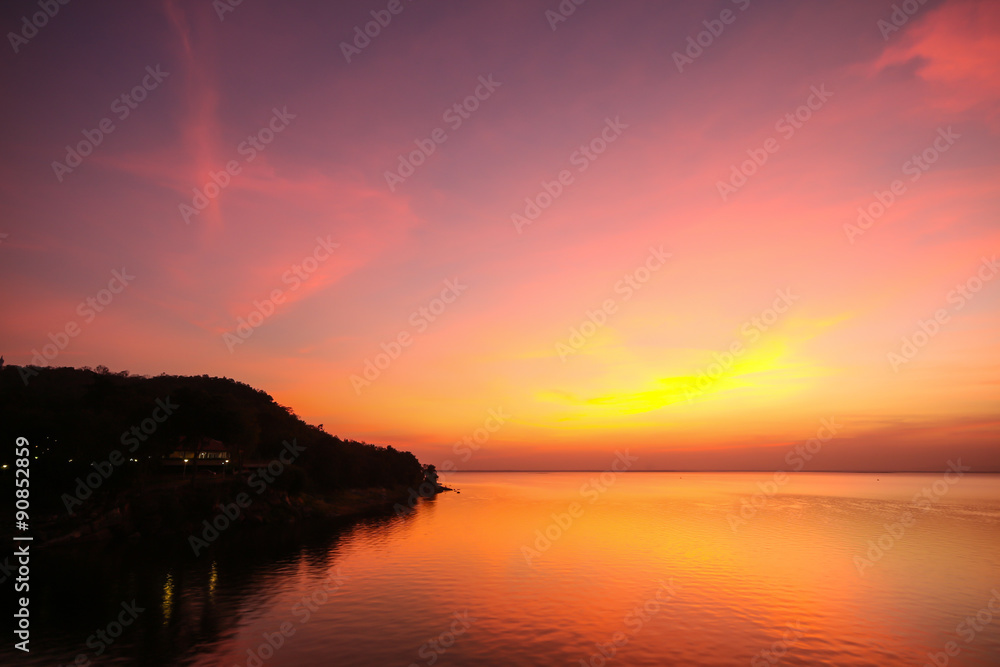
x,y
900,16
696,44
923,500
915,167
787,126
420,319
372,29
562,12
796,458
454,116
88,310
37,21
133,438
931,327
774,654
634,621
463,449
248,149
102,638
294,277
967,630
752,330
302,612
122,107
431,650
229,513
595,320
591,490
223,7
581,158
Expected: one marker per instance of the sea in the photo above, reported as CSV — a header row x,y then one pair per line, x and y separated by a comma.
x,y
560,568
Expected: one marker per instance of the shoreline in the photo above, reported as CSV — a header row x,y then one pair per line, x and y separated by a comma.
x,y
210,510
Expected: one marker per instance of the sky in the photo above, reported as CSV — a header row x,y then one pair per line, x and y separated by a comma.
x,y
526,234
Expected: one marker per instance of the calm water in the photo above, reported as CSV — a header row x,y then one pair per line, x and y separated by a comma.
x,y
658,568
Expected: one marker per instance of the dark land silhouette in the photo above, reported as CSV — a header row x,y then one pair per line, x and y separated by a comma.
x,y
120,456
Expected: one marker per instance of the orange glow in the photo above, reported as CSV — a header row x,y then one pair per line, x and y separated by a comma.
x,y
643,376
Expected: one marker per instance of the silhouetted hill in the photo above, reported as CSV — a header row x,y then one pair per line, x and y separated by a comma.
x,y
75,418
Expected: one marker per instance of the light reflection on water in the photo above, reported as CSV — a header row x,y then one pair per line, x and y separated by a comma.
x,y
657,568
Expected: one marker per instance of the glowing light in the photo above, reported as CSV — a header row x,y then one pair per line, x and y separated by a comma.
x,y
213,580
168,598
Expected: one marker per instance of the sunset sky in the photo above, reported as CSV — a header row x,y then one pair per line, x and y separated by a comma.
x,y
357,193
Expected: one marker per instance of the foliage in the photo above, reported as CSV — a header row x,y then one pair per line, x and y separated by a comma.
x,y
79,416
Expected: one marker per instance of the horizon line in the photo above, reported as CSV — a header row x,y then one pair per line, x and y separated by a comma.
x,y
765,470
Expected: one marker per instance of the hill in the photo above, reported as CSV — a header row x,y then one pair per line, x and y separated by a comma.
x,y
100,443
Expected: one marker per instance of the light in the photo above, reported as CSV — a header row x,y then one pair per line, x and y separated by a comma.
x,y
4,466
185,460
168,598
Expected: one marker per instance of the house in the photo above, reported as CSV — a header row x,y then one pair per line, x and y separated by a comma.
x,y
207,452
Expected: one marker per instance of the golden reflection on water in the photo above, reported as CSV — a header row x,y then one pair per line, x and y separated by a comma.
x,y
168,598
213,580
566,569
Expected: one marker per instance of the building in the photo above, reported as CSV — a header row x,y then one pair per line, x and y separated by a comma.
x,y
207,452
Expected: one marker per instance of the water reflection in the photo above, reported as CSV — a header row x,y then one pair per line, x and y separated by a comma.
x,y
168,598
188,606
653,571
